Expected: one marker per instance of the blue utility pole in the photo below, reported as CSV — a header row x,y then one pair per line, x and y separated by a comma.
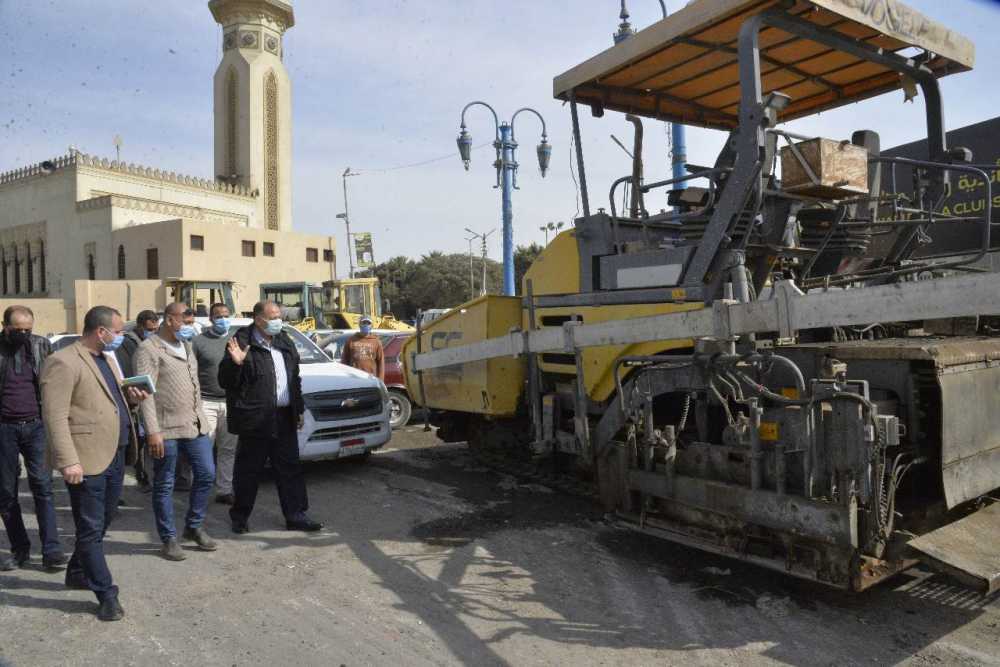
x,y
506,166
679,140
506,191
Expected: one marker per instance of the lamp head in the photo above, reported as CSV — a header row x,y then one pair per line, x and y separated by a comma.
x,y
544,154
464,142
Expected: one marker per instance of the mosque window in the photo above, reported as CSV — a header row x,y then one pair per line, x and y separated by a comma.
x,y
17,272
152,263
232,113
41,264
271,150
249,249
31,269
121,262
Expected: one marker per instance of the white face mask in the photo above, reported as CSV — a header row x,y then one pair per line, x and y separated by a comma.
x,y
273,327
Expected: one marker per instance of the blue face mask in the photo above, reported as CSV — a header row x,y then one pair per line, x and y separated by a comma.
x,y
273,327
220,325
115,343
366,329
186,333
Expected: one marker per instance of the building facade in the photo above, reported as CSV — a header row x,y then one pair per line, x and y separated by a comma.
x,y
79,217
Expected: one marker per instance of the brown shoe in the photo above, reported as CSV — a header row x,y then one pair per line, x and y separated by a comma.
x,y
201,538
172,551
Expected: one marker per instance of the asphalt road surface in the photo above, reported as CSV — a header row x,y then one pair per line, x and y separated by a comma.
x,y
428,558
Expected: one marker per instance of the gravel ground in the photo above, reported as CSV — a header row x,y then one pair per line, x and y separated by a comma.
x,y
428,558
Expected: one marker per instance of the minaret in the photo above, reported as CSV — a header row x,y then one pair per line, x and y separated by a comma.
x,y
253,105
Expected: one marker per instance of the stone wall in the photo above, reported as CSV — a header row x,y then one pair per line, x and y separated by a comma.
x,y
51,315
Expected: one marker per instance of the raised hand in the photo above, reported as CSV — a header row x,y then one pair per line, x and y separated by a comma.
x,y
236,353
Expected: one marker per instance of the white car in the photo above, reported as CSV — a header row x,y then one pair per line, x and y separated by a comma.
x,y
347,410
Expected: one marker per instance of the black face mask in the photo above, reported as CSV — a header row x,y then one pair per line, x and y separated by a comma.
x,y
18,337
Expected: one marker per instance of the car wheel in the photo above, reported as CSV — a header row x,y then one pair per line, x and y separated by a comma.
x,y
400,409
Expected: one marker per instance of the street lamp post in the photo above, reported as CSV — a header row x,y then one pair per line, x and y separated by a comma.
x,y
482,237
346,217
506,166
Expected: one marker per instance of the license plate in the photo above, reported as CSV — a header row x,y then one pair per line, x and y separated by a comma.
x,y
351,450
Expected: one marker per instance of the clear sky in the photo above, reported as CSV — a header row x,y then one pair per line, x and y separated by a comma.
x,y
380,83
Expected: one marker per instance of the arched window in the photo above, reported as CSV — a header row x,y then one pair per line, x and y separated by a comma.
x,y
91,268
17,272
121,262
232,119
41,266
271,176
31,268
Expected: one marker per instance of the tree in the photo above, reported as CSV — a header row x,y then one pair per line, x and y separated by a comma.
x,y
524,257
394,275
437,280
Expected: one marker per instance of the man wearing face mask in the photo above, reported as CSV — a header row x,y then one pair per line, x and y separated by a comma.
x,y
364,351
210,348
89,427
21,433
176,423
260,374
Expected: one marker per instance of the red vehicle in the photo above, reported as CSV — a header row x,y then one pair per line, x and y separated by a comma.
x,y
402,407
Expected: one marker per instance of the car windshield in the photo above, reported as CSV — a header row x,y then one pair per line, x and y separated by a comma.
x,y
336,347
308,352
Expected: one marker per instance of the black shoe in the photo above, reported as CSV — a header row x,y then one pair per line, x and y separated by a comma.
x,y
77,580
56,562
240,527
110,609
225,499
21,558
307,525
7,563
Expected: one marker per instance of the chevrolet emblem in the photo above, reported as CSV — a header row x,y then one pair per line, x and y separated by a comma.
x,y
349,402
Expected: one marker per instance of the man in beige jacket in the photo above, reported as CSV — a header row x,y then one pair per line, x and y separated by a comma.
x,y
89,427
176,423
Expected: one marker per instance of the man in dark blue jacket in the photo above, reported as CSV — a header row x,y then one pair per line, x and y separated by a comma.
x,y
260,374
21,433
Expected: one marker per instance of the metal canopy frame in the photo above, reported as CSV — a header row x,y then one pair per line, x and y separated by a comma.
x,y
746,180
685,68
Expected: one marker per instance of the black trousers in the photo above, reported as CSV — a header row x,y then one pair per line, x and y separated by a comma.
x,y
252,454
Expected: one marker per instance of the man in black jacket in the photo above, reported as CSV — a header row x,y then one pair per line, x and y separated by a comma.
x,y
146,322
260,374
22,433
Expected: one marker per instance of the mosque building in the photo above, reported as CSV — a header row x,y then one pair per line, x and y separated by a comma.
x,y
71,223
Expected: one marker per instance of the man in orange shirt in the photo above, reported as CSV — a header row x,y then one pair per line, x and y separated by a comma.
x,y
363,351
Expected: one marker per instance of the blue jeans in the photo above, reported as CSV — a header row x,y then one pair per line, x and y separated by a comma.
x,y
94,501
28,440
199,452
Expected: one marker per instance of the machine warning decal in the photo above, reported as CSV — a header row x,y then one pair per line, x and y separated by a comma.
x,y
768,431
